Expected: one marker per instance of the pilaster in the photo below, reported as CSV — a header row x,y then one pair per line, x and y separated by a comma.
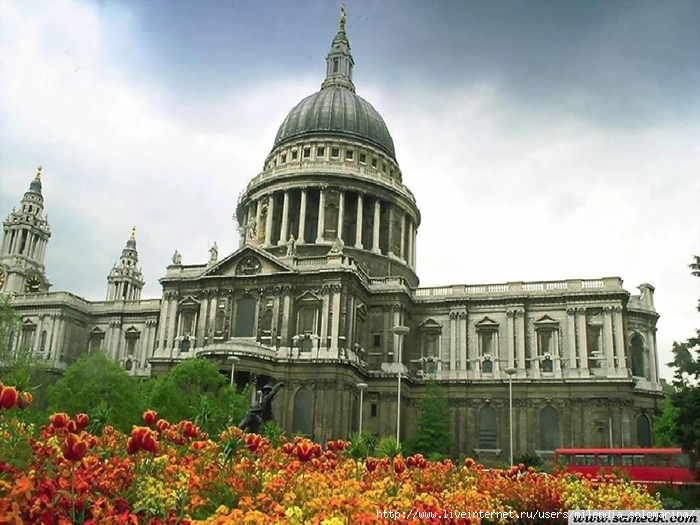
x,y
571,339
375,225
463,340
453,340
341,215
402,253
620,341
582,341
335,291
321,215
358,221
608,329
268,223
302,217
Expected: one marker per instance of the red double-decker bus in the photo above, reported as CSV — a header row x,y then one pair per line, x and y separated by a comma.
x,y
650,466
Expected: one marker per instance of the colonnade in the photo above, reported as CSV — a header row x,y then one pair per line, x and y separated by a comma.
x,y
317,215
34,245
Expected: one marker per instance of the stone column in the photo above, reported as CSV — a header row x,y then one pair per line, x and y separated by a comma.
x,y
463,342
608,329
409,247
321,215
341,215
453,340
324,319
375,230
571,338
172,324
268,223
286,314
61,336
302,217
520,331
161,320
413,251
511,338
402,255
620,340
358,221
258,219
653,358
201,330
335,324
390,235
285,220
582,340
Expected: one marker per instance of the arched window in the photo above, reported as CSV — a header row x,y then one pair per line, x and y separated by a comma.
x,y
549,428
303,419
488,428
644,431
245,317
637,355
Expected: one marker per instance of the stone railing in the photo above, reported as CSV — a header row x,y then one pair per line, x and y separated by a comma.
x,y
44,299
341,168
518,288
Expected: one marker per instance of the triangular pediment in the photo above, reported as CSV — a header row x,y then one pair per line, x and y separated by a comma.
x,y
97,331
248,262
28,323
430,325
309,296
486,322
189,301
546,320
132,330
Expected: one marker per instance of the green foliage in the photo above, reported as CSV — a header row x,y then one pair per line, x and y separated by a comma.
x,y
9,325
433,437
686,399
387,447
529,460
272,431
665,426
362,445
99,387
195,390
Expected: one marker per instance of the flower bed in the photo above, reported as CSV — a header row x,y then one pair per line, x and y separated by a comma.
x,y
173,473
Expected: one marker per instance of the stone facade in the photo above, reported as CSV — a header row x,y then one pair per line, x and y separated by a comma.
x,y
326,268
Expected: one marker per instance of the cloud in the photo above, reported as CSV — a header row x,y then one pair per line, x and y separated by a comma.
x,y
508,191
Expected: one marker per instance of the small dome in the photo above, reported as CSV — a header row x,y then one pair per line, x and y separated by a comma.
x,y
336,110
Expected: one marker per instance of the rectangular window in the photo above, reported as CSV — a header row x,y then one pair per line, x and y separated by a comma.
x,y
486,339
307,153
545,340
363,158
377,340
245,317
384,168
336,65
321,151
349,154
374,163
284,159
373,409
294,155
335,153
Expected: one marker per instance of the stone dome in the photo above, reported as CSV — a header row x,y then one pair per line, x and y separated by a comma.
x,y
336,110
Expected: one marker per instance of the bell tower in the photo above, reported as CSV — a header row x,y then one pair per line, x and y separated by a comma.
x,y
26,235
125,280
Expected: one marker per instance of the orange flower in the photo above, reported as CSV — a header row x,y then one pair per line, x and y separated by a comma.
x,y
142,438
162,425
371,464
82,421
399,465
59,420
305,450
149,417
8,397
74,448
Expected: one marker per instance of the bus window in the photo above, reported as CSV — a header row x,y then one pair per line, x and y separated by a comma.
x,y
632,460
565,459
659,460
608,460
681,460
584,459
638,460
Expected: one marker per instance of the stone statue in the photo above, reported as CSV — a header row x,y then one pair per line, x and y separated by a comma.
x,y
291,246
177,258
337,246
260,413
341,24
251,229
214,253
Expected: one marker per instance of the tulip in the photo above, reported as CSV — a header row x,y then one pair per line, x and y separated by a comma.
x,y
162,425
8,397
82,421
149,417
74,448
253,442
399,465
305,450
59,420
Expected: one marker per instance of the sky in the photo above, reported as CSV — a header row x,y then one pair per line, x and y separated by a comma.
x,y
543,140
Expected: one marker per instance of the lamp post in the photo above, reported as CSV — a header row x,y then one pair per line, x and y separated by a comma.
x,y
510,371
400,331
233,360
362,387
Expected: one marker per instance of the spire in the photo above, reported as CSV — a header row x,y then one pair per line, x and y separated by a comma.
x,y
125,281
35,185
133,232
339,62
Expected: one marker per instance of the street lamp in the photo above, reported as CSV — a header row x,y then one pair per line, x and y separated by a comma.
x,y
233,360
362,387
510,371
400,331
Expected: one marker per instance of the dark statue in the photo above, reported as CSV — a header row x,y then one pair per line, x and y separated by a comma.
x,y
260,413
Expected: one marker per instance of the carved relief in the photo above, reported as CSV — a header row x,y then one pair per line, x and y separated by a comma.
x,y
249,266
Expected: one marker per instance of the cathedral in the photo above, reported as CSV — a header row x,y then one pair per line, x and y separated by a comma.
x,y
323,295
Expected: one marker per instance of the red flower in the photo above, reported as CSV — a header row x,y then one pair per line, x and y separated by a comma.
x,y
371,464
59,420
142,438
305,450
288,448
74,448
399,465
8,397
162,425
149,417
82,421
253,442
199,445
72,427
469,462
25,399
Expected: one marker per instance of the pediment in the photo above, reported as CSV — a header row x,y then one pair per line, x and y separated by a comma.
x,y
545,320
430,325
309,296
190,302
97,331
28,323
132,330
487,322
247,262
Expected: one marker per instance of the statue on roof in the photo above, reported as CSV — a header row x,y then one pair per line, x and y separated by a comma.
x,y
213,253
177,258
291,246
341,24
337,246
